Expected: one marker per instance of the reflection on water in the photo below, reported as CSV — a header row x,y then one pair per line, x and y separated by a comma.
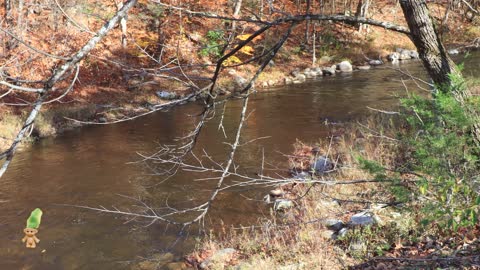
x,y
90,166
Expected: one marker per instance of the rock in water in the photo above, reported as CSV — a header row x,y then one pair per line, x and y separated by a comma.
x,y
393,56
328,71
345,66
375,62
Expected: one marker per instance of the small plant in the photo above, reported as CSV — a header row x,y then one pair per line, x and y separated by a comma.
x,y
212,45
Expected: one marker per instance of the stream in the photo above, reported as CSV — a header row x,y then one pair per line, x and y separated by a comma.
x,y
95,166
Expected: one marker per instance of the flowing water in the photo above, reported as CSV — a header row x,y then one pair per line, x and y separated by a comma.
x,y
91,166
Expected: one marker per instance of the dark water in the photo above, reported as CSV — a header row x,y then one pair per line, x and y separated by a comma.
x,y
90,166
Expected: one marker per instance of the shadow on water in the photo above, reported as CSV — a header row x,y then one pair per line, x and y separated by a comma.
x,y
90,166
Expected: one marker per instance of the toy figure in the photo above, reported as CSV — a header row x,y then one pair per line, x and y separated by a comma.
x,y
33,222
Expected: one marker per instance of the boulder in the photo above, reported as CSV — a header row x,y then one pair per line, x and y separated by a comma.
x,y
453,51
393,56
300,78
287,80
166,95
342,232
283,204
317,71
362,219
322,165
328,71
295,72
333,224
374,62
309,73
345,66
404,55
414,54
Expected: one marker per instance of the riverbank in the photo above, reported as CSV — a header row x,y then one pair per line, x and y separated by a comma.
x,y
120,82
357,216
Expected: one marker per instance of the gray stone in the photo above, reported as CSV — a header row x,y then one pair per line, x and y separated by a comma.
x,y
295,72
317,71
102,120
404,55
393,56
283,204
309,74
287,80
345,66
333,224
362,219
166,95
375,62
300,77
322,165
453,51
343,232
414,54
328,71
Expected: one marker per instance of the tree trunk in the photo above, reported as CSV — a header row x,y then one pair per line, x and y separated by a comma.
x,y
430,48
439,65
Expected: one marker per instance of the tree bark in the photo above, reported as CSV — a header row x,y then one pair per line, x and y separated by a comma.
x,y
430,48
439,65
